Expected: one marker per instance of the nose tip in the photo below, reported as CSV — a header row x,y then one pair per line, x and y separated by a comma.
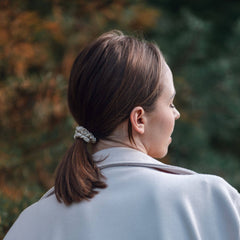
x,y
177,114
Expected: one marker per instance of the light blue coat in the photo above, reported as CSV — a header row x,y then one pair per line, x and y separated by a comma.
x,y
145,200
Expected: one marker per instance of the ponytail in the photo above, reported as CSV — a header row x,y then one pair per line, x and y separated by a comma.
x,y
77,175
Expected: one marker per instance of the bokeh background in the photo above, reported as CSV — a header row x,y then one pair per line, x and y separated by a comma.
x,y
38,43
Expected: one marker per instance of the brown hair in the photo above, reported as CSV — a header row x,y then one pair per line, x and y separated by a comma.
x,y
111,76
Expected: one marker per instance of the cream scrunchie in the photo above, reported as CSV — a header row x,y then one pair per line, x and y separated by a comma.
x,y
81,132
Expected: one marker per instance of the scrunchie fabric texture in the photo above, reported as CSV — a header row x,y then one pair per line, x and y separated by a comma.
x,y
83,133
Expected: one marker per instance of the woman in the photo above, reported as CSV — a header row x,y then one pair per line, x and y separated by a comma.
x,y
121,95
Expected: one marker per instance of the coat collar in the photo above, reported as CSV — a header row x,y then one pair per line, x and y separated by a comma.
x,y
123,156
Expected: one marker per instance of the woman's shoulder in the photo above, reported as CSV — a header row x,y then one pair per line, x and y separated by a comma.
x,y
131,166
194,184
31,223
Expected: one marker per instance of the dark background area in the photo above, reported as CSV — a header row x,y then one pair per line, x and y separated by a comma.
x,y
38,43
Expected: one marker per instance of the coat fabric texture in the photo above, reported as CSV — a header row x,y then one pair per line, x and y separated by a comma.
x,y
145,200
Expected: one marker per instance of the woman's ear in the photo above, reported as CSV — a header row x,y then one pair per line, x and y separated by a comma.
x,y
137,118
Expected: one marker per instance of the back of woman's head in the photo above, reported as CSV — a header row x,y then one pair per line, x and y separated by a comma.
x,y
110,76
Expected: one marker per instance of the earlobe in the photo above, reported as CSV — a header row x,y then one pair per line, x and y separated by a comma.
x,y
137,119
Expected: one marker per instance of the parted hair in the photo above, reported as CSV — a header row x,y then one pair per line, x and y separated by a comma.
x,y
109,77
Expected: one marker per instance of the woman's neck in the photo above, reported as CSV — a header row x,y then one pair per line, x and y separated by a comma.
x,y
111,142
119,138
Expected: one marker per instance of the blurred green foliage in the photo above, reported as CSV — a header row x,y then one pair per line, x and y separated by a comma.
x,y
38,43
200,40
